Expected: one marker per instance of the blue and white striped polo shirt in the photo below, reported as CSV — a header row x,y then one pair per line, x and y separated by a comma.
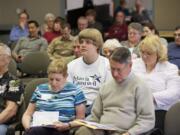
x,y
63,101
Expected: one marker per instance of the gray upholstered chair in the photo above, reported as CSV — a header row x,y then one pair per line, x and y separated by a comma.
x,y
172,120
31,86
12,67
35,64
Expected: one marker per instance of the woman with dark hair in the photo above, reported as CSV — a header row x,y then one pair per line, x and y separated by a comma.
x,y
149,28
119,29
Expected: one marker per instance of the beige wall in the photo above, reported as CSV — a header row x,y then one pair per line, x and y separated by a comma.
x,y
36,8
166,14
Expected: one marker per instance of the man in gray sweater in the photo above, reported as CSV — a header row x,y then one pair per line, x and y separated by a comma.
x,y
125,102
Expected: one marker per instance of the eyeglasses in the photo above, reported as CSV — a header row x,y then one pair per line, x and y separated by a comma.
x,y
133,33
176,34
22,17
76,47
147,53
4,55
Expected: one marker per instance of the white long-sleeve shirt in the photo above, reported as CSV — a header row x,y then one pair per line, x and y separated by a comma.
x,y
163,81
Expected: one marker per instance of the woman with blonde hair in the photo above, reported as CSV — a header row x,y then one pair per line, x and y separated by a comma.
x,y
161,76
58,96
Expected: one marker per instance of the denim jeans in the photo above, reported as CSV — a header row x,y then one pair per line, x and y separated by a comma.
x,y
3,129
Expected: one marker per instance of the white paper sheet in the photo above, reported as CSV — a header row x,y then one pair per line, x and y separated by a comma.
x,y
44,118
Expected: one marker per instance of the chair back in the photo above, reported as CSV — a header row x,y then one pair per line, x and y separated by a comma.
x,y
30,87
172,120
35,63
12,68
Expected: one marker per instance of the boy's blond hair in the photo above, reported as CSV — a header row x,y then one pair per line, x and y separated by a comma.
x,y
93,34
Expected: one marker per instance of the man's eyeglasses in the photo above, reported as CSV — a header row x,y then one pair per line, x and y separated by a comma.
x,y
76,47
3,55
176,34
133,33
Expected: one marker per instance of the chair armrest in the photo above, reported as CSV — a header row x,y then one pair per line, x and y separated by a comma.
x,y
12,128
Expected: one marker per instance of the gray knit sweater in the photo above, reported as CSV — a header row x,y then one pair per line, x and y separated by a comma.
x,y
128,106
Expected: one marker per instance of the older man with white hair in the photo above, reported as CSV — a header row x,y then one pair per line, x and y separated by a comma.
x,y
11,90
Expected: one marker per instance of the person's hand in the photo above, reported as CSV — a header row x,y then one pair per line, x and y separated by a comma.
x,y
19,58
27,129
74,124
106,34
22,24
141,10
61,126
